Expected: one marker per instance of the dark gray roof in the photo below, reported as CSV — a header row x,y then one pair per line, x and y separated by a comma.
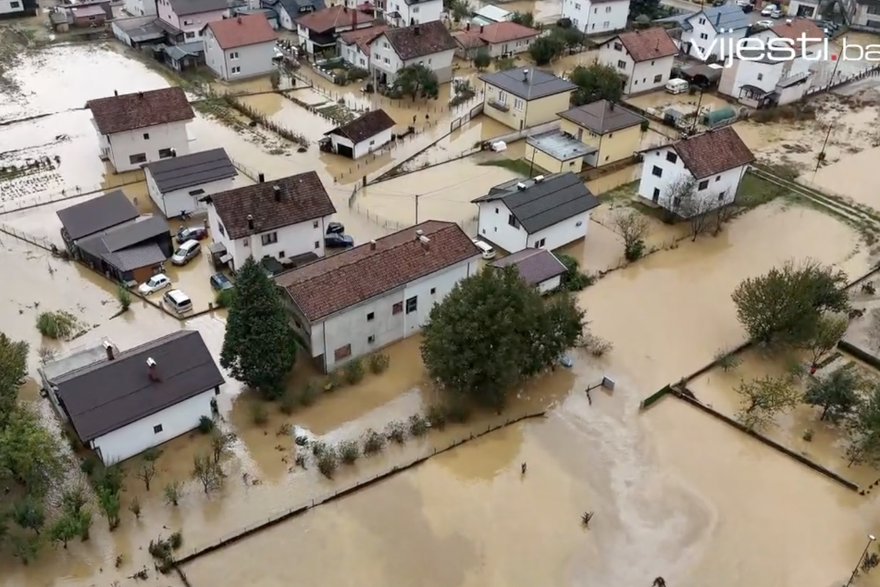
x,y
191,170
529,84
296,8
147,255
534,265
602,116
543,203
119,245
727,16
108,395
182,7
97,214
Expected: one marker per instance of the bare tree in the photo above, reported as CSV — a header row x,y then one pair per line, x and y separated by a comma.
x,y
633,228
207,472
146,472
220,443
874,329
725,214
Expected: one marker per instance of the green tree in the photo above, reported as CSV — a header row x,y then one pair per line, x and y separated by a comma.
x,y
596,82
415,80
28,513
491,331
29,453
763,398
545,49
64,529
461,9
830,328
482,59
785,305
838,394
259,347
524,18
13,369
863,431
570,38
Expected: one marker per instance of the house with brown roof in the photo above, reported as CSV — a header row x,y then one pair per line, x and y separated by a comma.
x,y
354,303
428,44
498,39
279,219
711,165
318,31
136,129
363,135
241,47
644,58
354,46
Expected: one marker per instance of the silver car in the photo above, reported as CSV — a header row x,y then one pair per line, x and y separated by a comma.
x,y
186,253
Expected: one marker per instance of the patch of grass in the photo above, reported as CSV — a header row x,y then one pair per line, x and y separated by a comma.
x,y
517,166
754,191
622,193
58,325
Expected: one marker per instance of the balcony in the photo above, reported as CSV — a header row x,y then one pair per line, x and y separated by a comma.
x,y
498,105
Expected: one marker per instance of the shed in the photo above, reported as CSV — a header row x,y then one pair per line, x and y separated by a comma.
x,y
130,252
538,267
88,16
176,184
86,218
361,136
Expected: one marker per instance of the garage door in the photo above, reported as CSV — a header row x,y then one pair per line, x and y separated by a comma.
x,y
346,151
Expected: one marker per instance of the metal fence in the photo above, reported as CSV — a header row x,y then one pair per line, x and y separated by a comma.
x,y
38,241
43,199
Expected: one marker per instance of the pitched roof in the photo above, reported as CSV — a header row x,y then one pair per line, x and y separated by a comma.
x,y
799,28
327,19
129,233
727,16
97,214
108,395
301,197
183,7
543,203
191,170
644,45
602,116
242,31
420,40
339,281
534,265
140,110
712,152
367,125
528,84
295,8
502,32
363,37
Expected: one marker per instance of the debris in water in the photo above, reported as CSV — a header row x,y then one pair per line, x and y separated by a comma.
x,y
586,517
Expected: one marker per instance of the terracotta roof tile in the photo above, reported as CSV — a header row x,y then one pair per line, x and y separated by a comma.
x,y
327,19
713,152
648,44
242,31
363,37
504,32
302,198
364,126
140,110
420,40
334,283
799,28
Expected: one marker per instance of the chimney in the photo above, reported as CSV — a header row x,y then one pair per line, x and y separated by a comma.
x,y
276,191
261,178
238,20
611,106
717,19
140,94
481,28
108,347
173,153
525,75
419,234
521,186
416,30
372,245
115,92
345,9
788,21
467,27
151,366
354,18
426,242
250,219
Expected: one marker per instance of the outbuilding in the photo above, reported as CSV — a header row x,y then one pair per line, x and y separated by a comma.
x,y
537,267
361,136
177,185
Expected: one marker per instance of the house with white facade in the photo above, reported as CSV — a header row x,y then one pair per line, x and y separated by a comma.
x,y
140,7
499,39
134,129
596,17
318,32
240,47
126,402
697,174
645,57
354,303
287,11
542,212
428,44
538,267
18,8
862,15
185,20
281,219
409,12
804,8
367,133
708,31
178,185
354,46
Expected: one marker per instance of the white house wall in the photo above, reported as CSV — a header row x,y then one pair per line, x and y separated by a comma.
x,y
594,19
383,59
639,76
704,34
192,25
492,223
161,136
372,143
511,47
284,19
134,7
176,201
353,54
561,233
417,13
11,6
138,436
549,285
250,61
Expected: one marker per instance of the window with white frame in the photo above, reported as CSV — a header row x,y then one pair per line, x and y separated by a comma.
x,y
233,54
235,70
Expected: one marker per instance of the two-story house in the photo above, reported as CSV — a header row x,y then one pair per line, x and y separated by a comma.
x,y
134,129
281,219
614,131
595,17
317,32
498,39
18,8
287,11
354,303
241,47
523,98
140,7
711,165
354,46
408,12
862,15
185,20
645,57
710,30
428,44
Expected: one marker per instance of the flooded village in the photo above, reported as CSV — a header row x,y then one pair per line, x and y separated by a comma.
x,y
173,238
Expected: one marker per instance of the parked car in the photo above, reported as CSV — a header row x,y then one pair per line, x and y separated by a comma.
x,y
744,3
335,228
719,2
338,241
763,24
190,233
154,284
747,8
776,14
486,250
178,301
220,282
186,252
768,10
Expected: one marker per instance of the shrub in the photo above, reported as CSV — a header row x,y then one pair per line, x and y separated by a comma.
x,y
206,425
309,393
354,371
328,462
356,74
726,360
58,325
223,299
349,451
173,492
318,448
379,362
374,442
89,465
436,416
259,414
289,402
124,297
868,288
333,382
418,425
396,431
633,251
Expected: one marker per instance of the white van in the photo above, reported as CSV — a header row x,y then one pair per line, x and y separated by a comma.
x,y
178,301
487,251
677,86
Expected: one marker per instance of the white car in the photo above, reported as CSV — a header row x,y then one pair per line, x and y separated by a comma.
x,y
769,9
763,24
154,284
776,14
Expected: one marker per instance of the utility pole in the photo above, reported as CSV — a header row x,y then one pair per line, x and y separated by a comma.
x,y
417,207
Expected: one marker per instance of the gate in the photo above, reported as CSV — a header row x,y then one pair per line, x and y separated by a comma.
x,y
455,124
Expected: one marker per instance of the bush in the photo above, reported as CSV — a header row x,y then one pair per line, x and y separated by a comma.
x,y
396,431
57,325
328,462
374,442
89,465
333,382
726,360
289,402
418,425
354,371
223,299
259,414
206,425
124,297
349,451
309,393
318,448
356,74
378,363
634,250
436,416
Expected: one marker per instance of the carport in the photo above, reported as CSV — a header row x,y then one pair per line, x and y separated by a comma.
x,y
703,75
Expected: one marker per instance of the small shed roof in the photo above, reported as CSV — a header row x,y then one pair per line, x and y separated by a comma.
x,y
91,10
364,126
97,214
535,266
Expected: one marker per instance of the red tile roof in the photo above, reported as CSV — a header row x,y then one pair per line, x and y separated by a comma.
x,y
328,19
648,44
799,28
363,37
242,31
140,110
469,39
713,152
504,32
337,282
302,197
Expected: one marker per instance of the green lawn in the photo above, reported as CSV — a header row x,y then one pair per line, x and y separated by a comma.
x,y
517,166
